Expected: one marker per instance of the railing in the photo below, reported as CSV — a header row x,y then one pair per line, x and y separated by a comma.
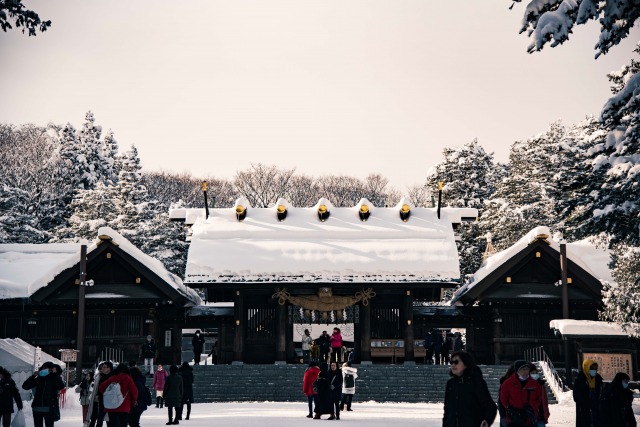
x,y
111,354
537,354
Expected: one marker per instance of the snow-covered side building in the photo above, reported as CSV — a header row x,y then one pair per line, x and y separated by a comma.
x,y
362,265
132,295
517,292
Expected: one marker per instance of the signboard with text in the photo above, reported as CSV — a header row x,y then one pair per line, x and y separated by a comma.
x,y
68,355
609,364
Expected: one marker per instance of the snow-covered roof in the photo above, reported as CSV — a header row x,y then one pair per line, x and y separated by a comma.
x,y
26,268
571,327
583,253
17,355
343,248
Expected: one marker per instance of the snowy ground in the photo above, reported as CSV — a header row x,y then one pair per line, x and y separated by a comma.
x,y
284,414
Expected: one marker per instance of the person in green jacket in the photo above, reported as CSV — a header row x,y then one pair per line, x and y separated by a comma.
x,y
172,393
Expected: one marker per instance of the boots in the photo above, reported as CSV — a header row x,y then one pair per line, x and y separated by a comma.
x,y
158,402
188,411
162,402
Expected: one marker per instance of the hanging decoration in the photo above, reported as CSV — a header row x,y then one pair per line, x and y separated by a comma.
x,y
322,302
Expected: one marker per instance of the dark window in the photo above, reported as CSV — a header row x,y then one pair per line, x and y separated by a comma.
x,y
128,326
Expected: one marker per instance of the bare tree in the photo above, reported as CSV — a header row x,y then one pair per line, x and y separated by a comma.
x,y
304,191
342,190
419,195
263,184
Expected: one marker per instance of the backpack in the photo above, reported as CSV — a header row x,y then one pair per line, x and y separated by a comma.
x,y
112,397
349,381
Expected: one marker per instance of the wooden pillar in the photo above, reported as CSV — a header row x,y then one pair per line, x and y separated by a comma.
x,y
281,332
240,318
408,326
365,332
497,334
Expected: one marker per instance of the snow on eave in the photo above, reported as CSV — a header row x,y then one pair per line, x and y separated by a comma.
x,y
156,266
571,327
582,253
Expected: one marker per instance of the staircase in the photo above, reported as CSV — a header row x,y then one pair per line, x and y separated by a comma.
x,y
283,383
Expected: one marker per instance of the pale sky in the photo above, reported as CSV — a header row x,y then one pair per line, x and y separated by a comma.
x,y
328,87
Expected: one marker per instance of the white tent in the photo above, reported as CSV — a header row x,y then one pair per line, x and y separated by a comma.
x,y
18,357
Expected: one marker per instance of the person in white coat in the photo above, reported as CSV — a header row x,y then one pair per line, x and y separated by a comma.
x,y
349,375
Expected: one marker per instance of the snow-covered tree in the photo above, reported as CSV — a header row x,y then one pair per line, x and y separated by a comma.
x,y
14,11
17,222
92,209
164,240
621,299
467,173
91,146
132,199
110,157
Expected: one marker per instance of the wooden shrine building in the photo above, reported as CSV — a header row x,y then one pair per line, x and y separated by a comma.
x,y
364,267
131,295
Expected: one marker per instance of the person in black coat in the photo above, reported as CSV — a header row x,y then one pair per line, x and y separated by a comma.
x,y
616,403
8,394
437,345
47,384
324,345
586,393
324,404
186,372
198,344
142,402
335,385
467,401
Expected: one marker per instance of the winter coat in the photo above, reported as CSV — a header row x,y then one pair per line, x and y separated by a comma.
x,y
324,343
128,389
616,410
544,407
310,375
306,342
467,401
336,341
437,341
86,390
173,390
335,384
528,397
457,343
198,344
315,350
8,394
349,371
47,388
186,372
325,404
428,342
140,381
95,395
587,400
159,379
149,349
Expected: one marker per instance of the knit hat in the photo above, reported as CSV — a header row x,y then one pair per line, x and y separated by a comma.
x,y
149,337
518,364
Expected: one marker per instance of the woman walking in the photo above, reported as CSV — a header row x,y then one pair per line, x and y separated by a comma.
x,y
323,404
349,376
467,402
310,376
86,390
335,384
8,394
173,392
47,383
543,420
521,395
119,416
586,394
159,378
186,372
616,410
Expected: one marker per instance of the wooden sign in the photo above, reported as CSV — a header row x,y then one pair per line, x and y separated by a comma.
x,y
609,364
68,355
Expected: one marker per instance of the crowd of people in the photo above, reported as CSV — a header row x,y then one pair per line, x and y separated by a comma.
x,y
439,344
118,395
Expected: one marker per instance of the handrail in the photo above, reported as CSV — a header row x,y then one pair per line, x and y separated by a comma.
x,y
111,354
537,354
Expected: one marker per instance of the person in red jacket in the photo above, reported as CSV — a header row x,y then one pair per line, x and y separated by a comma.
x,y
544,408
310,375
521,395
119,417
336,346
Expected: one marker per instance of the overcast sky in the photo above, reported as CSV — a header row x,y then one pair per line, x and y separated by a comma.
x,y
327,87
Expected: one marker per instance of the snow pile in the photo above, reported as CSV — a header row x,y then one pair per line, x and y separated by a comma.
x,y
571,327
